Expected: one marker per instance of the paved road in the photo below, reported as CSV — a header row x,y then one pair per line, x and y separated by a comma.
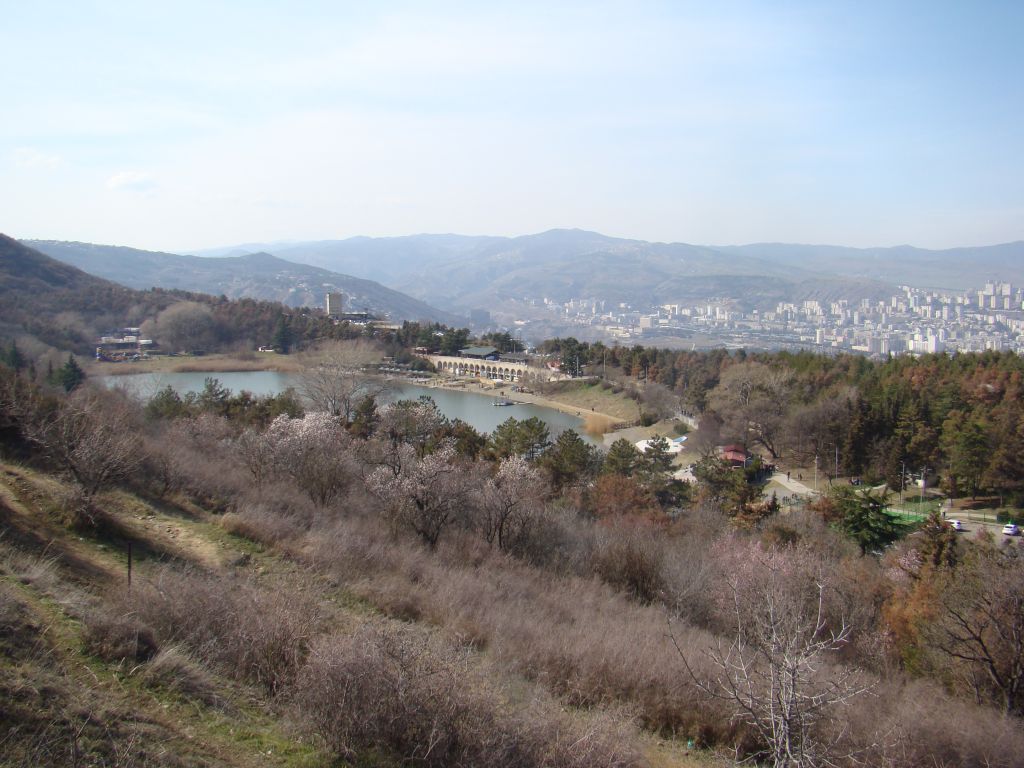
x,y
791,485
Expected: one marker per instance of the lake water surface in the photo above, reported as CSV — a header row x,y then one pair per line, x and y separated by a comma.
x,y
474,408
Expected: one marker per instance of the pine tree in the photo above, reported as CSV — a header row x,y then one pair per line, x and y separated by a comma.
x,y
12,357
70,375
282,336
865,517
570,459
622,459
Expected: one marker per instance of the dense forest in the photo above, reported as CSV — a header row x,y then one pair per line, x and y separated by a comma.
x,y
958,417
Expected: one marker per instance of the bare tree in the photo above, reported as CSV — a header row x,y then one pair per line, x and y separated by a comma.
x,y
979,631
314,451
184,325
256,450
752,399
92,435
426,496
771,670
335,379
816,429
508,503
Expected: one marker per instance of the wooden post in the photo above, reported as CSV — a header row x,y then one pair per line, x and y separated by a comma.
x,y
129,565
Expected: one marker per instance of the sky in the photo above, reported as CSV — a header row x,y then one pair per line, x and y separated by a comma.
x,y
187,125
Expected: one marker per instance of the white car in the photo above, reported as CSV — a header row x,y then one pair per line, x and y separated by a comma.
x,y
1011,529
956,525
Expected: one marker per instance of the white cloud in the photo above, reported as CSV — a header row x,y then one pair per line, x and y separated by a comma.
x,y
132,181
26,157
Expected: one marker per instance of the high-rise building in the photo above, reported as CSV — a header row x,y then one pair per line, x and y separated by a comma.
x,y
333,304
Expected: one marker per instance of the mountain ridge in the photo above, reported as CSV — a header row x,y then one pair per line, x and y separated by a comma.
x,y
457,271
258,275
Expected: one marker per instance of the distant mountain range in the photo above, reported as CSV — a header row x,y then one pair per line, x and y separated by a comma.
x,y
440,277
460,272
954,268
253,275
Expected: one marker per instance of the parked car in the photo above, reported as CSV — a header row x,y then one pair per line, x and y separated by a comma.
x,y
1011,529
956,525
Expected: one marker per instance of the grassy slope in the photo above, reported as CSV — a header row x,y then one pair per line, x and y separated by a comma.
x,y
64,701
589,396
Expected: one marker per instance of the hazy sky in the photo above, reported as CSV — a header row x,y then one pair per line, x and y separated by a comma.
x,y
194,124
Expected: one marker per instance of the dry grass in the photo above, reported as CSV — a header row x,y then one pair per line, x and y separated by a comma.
x,y
174,669
596,424
593,397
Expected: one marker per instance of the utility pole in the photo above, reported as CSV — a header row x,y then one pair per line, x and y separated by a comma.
x,y
903,479
837,462
924,474
815,473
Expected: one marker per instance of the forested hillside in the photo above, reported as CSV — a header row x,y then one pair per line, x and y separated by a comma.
x,y
959,416
65,308
385,586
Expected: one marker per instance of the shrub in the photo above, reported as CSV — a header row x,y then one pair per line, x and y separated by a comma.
x,y
271,515
252,633
173,669
631,560
116,637
396,690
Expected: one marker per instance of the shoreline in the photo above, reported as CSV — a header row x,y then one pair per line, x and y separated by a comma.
x,y
221,363
595,422
523,397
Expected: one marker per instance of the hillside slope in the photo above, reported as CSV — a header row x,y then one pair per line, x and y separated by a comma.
x,y
29,272
254,275
67,699
60,304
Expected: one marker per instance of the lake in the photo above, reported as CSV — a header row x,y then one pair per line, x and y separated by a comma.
x,y
473,408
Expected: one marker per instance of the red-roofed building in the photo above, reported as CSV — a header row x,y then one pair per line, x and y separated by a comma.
x,y
736,455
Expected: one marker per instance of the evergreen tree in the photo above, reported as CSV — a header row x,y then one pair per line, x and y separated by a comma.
x,y
573,356
214,398
166,404
282,336
453,340
656,459
623,458
528,438
570,459
365,418
940,542
70,375
965,441
12,357
865,518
